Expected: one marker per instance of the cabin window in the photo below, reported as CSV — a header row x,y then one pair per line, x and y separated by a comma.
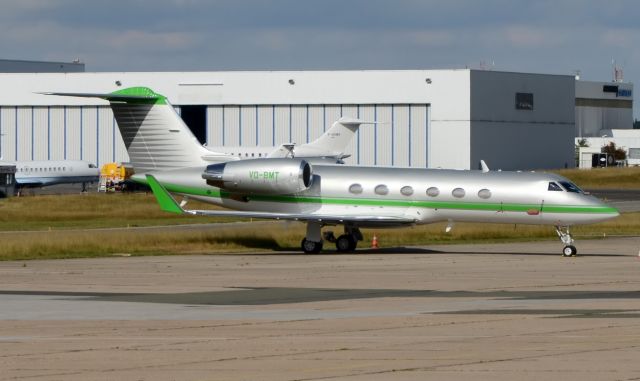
x,y
570,187
484,193
458,193
259,155
406,190
355,188
554,187
433,192
381,189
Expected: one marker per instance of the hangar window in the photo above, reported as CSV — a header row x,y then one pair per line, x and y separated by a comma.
x,y
634,153
382,190
406,191
524,101
484,193
433,192
458,193
355,188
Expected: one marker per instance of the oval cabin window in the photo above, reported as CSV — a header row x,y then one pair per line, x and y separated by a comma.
x,y
458,193
355,188
433,192
406,191
382,190
484,193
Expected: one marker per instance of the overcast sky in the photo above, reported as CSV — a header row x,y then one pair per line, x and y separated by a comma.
x,y
546,36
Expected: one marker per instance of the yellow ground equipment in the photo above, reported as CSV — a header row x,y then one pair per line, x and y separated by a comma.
x,y
112,177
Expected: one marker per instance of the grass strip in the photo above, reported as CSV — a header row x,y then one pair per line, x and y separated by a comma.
x,y
272,236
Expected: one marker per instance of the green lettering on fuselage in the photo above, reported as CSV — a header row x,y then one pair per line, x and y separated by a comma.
x,y
265,176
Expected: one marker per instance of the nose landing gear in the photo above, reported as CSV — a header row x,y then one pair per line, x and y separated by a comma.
x,y
565,236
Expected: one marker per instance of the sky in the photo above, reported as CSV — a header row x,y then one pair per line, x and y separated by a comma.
x,y
542,36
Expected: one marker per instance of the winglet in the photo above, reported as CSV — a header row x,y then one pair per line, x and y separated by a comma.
x,y
484,166
166,201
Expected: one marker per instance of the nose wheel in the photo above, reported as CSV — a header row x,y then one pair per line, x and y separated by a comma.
x,y
569,251
565,236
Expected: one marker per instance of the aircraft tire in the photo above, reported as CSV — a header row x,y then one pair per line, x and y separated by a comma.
x,y
345,243
354,244
569,251
310,247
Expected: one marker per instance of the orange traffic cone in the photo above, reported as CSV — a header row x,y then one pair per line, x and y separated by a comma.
x,y
374,242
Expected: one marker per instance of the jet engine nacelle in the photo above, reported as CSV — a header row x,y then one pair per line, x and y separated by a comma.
x,y
261,176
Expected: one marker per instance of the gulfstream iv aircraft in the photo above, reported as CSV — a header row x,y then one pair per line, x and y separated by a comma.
x,y
167,157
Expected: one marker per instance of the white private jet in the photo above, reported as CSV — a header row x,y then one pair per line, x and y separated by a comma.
x,y
331,145
328,195
34,174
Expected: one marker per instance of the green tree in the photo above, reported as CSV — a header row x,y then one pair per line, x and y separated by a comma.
x,y
618,153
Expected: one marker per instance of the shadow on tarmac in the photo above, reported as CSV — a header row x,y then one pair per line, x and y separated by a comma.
x,y
418,250
256,296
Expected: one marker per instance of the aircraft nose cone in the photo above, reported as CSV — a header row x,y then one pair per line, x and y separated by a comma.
x,y
608,212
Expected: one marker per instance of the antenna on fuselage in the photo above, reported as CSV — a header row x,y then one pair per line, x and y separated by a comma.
x,y
484,166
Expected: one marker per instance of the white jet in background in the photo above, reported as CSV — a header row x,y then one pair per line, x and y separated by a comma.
x,y
34,174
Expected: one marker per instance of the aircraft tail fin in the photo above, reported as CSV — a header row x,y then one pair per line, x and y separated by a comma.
x,y
336,139
155,136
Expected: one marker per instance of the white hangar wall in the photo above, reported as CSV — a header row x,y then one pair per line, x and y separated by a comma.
x,y
434,118
60,133
248,108
401,139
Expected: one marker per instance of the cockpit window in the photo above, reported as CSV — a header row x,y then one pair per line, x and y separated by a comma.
x,y
570,187
554,187
92,165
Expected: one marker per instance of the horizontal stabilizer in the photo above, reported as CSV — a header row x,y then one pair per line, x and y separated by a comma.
x,y
348,120
133,94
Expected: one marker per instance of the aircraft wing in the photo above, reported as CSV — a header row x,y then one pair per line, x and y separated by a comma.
x,y
169,204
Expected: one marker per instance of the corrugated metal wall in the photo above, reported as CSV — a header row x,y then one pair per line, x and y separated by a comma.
x,y
90,132
60,133
400,141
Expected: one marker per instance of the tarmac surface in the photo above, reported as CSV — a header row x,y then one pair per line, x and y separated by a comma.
x,y
515,311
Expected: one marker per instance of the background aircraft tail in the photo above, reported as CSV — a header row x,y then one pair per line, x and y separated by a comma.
x,y
155,136
336,139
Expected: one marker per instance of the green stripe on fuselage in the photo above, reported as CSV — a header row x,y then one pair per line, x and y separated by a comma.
x,y
455,205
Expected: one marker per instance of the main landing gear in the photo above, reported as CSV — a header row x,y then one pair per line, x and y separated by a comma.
x,y
347,242
565,236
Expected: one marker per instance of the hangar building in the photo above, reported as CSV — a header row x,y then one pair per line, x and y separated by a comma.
x,y
433,118
603,106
